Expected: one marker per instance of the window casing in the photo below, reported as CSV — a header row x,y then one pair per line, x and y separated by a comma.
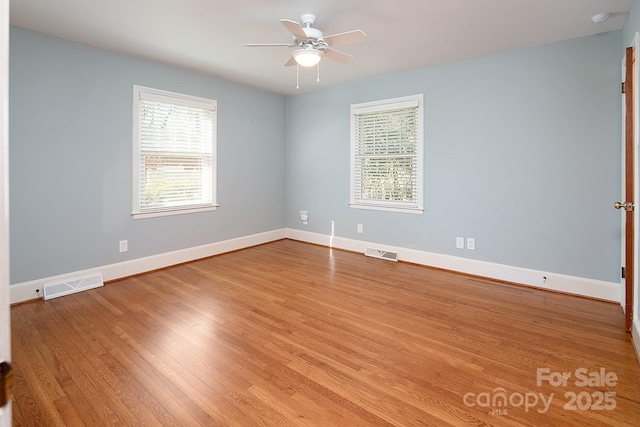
x,y
387,155
174,153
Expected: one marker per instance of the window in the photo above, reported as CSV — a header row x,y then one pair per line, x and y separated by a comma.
x,y
386,155
174,155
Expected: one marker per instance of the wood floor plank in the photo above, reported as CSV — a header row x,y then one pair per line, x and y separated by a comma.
x,y
293,334
117,403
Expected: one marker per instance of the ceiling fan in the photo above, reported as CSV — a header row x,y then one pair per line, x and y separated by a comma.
x,y
312,44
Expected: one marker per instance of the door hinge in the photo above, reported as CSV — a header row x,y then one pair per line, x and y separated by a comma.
x,y
622,274
622,88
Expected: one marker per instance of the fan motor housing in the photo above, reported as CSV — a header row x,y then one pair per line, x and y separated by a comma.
x,y
312,33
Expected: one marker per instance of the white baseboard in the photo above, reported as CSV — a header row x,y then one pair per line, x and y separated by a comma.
x,y
608,291
635,337
27,290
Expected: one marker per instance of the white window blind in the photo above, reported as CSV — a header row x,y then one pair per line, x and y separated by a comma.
x,y
386,169
174,155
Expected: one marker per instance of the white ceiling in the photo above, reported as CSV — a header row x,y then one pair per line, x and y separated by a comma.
x,y
210,36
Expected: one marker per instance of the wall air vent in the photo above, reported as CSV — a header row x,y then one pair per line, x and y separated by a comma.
x,y
71,286
379,253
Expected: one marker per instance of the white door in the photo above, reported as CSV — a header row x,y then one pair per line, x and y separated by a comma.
x,y
635,177
5,332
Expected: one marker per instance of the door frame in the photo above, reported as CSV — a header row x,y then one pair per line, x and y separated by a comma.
x,y
627,178
5,330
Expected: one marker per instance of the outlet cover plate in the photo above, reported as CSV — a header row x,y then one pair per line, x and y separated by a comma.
x,y
471,243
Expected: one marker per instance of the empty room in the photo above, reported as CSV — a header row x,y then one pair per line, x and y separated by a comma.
x,y
319,213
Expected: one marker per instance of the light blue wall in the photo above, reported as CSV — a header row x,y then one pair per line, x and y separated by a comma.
x,y
70,158
522,152
632,25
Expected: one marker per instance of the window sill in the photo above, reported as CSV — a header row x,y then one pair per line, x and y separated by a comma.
x,y
407,210
176,211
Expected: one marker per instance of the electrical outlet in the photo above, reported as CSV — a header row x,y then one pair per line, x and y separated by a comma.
x,y
304,216
471,243
124,245
360,229
459,242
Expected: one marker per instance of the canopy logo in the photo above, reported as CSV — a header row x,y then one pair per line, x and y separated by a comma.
x,y
499,401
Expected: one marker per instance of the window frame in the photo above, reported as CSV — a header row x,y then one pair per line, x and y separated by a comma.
x,y
416,206
142,92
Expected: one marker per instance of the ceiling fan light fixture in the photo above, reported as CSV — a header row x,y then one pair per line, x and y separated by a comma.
x,y
307,57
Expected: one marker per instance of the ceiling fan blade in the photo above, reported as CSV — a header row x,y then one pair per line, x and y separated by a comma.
x,y
269,45
290,62
355,36
294,28
336,55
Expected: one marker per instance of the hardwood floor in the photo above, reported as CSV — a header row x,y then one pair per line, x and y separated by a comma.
x,y
291,334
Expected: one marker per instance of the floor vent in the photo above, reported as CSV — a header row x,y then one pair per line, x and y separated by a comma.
x,y
379,253
54,290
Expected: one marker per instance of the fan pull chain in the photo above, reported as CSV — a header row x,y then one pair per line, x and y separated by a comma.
x,y
297,76
318,79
